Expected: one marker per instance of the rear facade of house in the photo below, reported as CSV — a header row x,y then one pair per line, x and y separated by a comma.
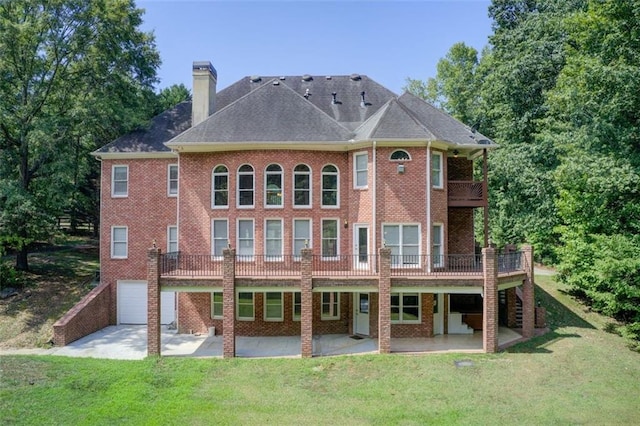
x,y
305,205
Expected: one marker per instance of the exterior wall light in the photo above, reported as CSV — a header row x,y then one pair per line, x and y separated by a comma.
x,y
400,168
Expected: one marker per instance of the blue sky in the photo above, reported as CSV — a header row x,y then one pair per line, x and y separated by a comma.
x,y
386,40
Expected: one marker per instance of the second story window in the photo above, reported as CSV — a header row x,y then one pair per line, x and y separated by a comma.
x,y
245,186
302,186
273,186
329,238
245,239
404,242
330,186
172,180
301,235
273,239
120,181
219,236
220,187
437,252
172,239
360,164
436,170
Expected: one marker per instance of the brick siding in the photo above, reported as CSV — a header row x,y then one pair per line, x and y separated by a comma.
x,y
89,315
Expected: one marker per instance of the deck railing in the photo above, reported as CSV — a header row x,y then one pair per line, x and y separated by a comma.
x,y
271,266
465,192
345,265
453,264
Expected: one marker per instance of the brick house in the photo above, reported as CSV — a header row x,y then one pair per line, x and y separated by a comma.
x,y
304,205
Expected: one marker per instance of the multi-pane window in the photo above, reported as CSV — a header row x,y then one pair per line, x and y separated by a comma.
x,y
119,242
399,155
245,239
216,305
273,239
172,180
220,187
302,186
297,306
330,305
120,181
172,239
220,236
437,252
436,169
404,242
301,235
330,186
273,307
245,186
273,186
361,163
405,308
245,309
329,238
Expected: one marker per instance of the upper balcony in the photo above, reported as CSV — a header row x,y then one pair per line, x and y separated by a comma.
x,y
466,193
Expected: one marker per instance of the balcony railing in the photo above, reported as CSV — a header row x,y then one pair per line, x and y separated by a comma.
x,y
453,264
271,266
345,265
466,193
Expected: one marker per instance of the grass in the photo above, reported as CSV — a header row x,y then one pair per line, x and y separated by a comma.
x,y
575,374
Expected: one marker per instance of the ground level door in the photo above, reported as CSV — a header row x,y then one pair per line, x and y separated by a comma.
x,y
361,314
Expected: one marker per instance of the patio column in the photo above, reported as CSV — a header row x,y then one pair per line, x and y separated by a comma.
x,y
306,299
153,301
384,302
528,298
490,301
229,304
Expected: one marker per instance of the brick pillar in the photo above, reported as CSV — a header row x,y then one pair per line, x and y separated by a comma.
x,y
512,321
153,302
528,299
490,301
306,308
384,302
229,304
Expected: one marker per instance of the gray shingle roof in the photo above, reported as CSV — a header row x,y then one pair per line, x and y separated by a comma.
x,y
392,121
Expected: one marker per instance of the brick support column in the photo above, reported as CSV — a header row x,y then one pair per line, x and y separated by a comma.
x,y
490,301
528,297
153,302
512,321
306,308
229,304
384,302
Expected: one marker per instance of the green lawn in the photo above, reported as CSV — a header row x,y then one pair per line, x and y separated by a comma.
x,y
576,374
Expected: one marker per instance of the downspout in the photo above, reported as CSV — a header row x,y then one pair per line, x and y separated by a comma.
x,y
429,226
374,196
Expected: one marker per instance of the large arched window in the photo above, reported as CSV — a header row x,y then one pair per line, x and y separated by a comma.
x,y
246,183
302,186
330,194
220,187
273,186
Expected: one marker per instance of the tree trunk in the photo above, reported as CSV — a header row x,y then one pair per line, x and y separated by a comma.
x,y
22,263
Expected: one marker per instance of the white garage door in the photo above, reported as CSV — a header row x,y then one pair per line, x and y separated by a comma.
x,y
132,303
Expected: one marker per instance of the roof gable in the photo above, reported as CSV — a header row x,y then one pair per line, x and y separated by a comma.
x,y
393,121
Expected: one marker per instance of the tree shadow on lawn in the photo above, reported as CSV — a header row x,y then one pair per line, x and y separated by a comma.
x,y
559,316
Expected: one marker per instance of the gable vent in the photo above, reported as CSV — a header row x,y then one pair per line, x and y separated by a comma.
x,y
307,77
355,77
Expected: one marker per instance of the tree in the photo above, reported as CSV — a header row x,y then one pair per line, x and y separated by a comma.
x,y
73,74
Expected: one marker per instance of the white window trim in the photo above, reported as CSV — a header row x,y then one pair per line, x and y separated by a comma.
x,y
356,170
264,310
337,256
253,178
401,225
293,234
245,258
213,187
169,241
126,242
281,173
400,159
400,320
113,181
336,315
293,186
213,239
169,180
440,172
213,315
440,262
337,174
293,306
273,258
253,305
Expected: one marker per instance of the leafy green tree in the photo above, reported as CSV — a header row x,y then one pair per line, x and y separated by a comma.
x,y
171,96
73,74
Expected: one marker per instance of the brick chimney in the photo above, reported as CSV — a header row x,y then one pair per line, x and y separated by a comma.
x,y
205,78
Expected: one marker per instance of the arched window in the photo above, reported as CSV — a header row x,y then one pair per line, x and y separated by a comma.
x,y
302,186
330,195
400,155
220,187
273,186
245,186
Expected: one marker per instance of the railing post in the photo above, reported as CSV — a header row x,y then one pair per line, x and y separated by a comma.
x,y
384,302
153,301
229,303
306,302
490,301
528,297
